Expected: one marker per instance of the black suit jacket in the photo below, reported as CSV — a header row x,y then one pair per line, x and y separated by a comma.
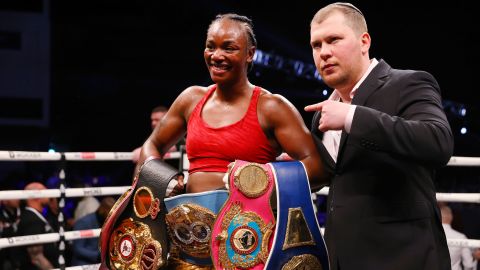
x,y
382,211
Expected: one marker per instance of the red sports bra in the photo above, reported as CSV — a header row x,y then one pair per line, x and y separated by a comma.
x,y
212,149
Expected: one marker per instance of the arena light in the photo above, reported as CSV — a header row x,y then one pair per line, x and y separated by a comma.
x,y
463,130
289,66
456,109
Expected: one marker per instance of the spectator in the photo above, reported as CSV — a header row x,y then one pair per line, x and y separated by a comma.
x,y
9,219
461,257
87,205
52,212
156,116
41,256
86,251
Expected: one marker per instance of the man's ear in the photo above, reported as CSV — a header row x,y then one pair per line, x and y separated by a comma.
x,y
366,42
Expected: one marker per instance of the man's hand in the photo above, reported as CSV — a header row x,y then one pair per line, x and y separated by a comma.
x,y
333,114
175,187
226,176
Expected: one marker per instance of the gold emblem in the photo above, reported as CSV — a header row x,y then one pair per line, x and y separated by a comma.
x,y
132,247
303,262
189,227
244,238
252,180
298,234
144,203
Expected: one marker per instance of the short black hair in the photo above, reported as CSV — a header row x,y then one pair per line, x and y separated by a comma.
x,y
243,20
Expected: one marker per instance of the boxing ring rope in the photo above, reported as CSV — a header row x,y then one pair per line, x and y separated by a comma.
x,y
47,238
63,192
73,156
83,267
69,192
105,191
443,197
119,156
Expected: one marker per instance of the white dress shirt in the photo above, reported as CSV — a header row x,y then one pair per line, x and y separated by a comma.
x,y
331,138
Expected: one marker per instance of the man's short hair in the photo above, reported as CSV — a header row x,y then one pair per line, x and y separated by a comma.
x,y
159,108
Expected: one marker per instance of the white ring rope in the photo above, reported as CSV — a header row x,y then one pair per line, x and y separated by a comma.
x,y
117,156
442,197
69,192
93,233
464,161
83,267
47,238
106,191
73,156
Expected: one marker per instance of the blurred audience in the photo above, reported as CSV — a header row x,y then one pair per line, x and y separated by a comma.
x,y
9,218
86,205
155,117
51,214
86,251
461,257
41,256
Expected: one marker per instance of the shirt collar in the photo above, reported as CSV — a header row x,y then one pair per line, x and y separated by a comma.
x,y
39,215
335,96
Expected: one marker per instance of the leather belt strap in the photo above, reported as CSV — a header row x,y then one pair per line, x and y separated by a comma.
x,y
134,233
242,230
297,241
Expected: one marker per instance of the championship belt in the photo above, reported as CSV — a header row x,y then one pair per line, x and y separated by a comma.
x,y
298,243
134,233
190,221
241,236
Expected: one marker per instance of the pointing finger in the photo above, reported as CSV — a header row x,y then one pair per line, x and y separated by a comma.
x,y
314,107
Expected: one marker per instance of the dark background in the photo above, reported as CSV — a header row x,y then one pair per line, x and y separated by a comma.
x,y
113,61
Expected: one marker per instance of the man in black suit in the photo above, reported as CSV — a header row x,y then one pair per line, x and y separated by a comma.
x,y
32,222
382,133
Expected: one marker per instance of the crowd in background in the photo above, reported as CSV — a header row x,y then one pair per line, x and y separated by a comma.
x,y
41,215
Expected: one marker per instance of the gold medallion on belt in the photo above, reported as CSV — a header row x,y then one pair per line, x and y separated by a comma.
x,y
247,244
190,228
132,247
252,180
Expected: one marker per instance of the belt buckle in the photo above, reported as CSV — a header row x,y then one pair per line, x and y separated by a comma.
x,y
244,238
189,227
132,247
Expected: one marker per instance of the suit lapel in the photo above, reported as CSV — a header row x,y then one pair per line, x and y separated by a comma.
x,y
374,80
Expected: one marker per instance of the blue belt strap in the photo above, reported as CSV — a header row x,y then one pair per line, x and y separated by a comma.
x,y
293,192
212,200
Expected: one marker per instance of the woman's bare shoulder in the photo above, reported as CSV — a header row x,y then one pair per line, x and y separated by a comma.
x,y
273,103
189,98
